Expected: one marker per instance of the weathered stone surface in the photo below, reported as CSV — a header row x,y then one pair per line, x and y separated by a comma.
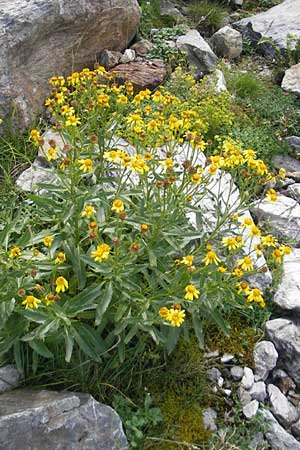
x,y
10,378
278,438
142,47
250,409
277,22
39,39
142,74
265,359
209,419
34,175
289,163
244,396
169,8
227,43
237,373
248,379
287,295
293,191
285,334
283,216
198,52
291,79
294,142
282,409
109,59
217,79
283,381
258,391
128,56
214,374
36,420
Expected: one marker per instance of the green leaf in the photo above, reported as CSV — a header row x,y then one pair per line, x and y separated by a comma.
x,y
85,300
35,316
104,303
172,338
69,341
6,309
73,255
88,340
198,330
40,348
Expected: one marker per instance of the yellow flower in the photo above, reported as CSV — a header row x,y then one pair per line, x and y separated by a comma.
x,y
48,241
211,258
258,249
117,206
237,272
247,222
222,269
148,156
137,164
282,173
61,284
61,257
112,156
246,263
144,228
88,211
277,255
176,317
191,292
163,312
243,288
72,121
269,241
51,154
196,178
255,295
35,136
101,253
31,302
286,250
15,252
49,299
232,243
271,195
254,231
86,165
187,260
35,252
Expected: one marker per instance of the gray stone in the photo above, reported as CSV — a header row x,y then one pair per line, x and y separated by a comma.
x,y
128,56
48,420
217,79
289,163
237,373
109,59
142,47
283,381
34,175
214,374
227,392
226,358
276,23
220,382
248,379
209,419
250,409
258,391
257,441
244,396
294,398
283,184
294,142
282,409
283,216
10,378
287,295
265,359
198,52
291,79
278,438
293,191
285,334
238,2
227,43
295,429
39,39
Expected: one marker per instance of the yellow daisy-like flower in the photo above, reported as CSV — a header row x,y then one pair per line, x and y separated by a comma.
x,y
88,211
49,299
211,258
271,195
72,121
60,258
255,295
237,272
246,263
117,206
232,243
61,284
51,154
101,253
243,287
187,260
247,222
286,250
268,241
282,173
196,178
222,269
176,317
31,302
277,255
254,231
15,252
48,241
86,165
191,292
163,312
144,227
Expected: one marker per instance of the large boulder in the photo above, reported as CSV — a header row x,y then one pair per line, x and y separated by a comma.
x,y
287,295
39,39
275,23
142,74
198,53
227,42
35,420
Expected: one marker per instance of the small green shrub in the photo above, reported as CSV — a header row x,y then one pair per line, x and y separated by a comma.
x,y
207,14
245,85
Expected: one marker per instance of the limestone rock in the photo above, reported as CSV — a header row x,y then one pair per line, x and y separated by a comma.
x,y
283,216
276,23
294,142
244,396
258,391
250,409
283,381
34,175
109,59
287,295
39,39
289,163
282,409
142,47
291,79
227,43
10,378
198,52
128,56
293,191
265,359
217,79
285,334
278,438
226,358
142,74
48,420
237,373
209,419
248,379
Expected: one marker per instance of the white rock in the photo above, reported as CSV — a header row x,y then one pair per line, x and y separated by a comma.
x,y
128,56
226,358
282,409
198,52
248,379
278,438
214,374
220,382
293,191
244,396
250,409
209,419
35,174
265,359
258,391
287,295
227,392
291,79
227,42
237,373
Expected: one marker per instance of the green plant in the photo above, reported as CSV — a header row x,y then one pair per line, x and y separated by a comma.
x,y
207,14
151,18
162,48
245,85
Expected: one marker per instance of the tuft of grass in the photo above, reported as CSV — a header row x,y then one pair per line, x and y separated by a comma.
x,y
245,85
207,15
